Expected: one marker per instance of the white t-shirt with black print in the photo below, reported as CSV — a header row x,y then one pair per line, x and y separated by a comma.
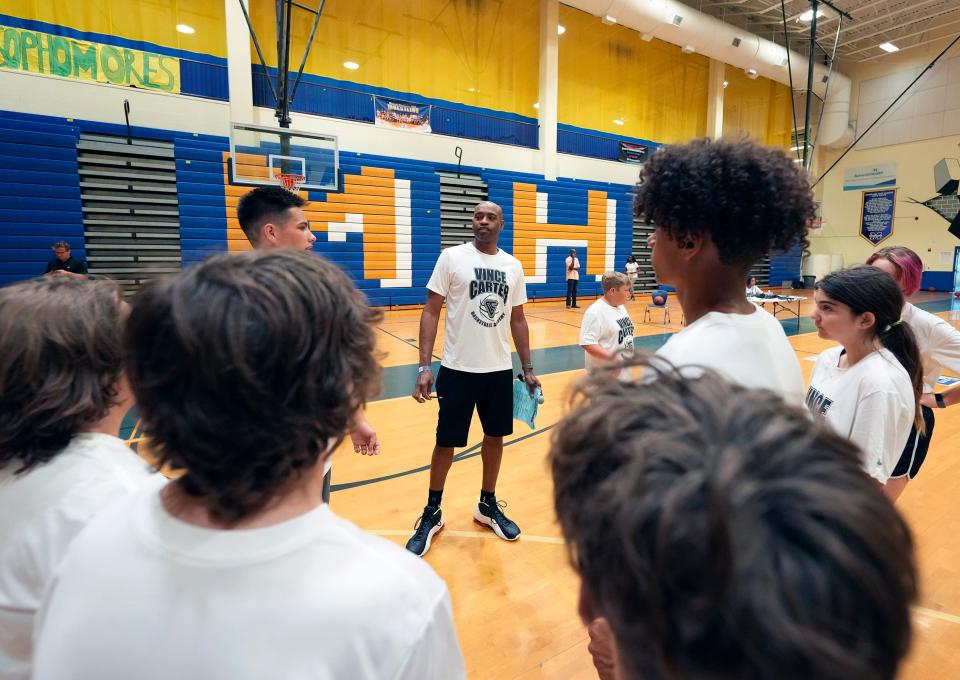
x,y
611,328
481,291
938,342
870,403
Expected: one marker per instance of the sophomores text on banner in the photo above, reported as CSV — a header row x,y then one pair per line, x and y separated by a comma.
x,y
404,115
56,55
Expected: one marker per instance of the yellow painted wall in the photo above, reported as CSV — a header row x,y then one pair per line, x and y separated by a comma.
x,y
608,73
435,48
149,20
758,108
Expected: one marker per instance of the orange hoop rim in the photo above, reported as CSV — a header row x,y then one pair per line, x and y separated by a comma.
x,y
290,181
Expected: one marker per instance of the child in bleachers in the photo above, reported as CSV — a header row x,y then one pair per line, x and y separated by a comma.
x,y
868,388
719,534
249,370
63,396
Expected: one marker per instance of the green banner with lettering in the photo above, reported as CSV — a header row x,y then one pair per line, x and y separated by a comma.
x,y
55,55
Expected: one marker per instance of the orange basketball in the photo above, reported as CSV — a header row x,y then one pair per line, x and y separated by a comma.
x,y
658,300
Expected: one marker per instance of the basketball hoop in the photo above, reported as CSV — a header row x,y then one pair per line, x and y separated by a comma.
x,y
290,181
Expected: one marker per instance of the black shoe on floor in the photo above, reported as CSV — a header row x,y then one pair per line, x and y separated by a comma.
x,y
491,515
427,526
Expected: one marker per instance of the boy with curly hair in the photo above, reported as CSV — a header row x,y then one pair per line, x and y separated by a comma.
x,y
249,370
718,208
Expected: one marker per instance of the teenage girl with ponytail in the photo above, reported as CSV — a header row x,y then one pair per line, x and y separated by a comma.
x,y
939,345
868,389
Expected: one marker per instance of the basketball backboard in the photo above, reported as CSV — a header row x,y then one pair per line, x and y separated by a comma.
x,y
258,154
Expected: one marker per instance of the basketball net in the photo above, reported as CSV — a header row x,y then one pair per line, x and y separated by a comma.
x,y
289,181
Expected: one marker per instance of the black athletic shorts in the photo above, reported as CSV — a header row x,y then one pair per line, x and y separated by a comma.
x,y
460,392
916,449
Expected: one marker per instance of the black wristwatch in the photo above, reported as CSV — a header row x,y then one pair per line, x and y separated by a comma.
x,y
939,399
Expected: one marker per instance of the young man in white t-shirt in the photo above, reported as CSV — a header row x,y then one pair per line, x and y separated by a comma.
x,y
739,202
606,333
236,569
272,217
484,289
63,396
573,278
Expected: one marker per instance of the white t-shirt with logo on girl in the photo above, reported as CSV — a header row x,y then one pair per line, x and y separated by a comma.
x,y
610,328
573,268
632,268
870,403
481,291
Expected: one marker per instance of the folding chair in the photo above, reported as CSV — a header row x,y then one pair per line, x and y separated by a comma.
x,y
663,294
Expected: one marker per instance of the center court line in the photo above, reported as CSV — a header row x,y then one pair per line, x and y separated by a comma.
x,y
406,342
463,455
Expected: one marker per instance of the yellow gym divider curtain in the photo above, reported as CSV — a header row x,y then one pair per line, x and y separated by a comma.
x,y
153,21
608,73
477,53
758,108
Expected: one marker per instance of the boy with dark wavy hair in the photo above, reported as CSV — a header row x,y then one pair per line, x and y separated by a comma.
x,y
63,395
719,533
249,371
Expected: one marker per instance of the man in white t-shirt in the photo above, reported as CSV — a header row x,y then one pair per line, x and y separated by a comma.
x,y
484,289
236,569
606,333
719,207
573,278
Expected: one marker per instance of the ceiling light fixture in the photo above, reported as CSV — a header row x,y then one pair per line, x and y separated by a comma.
x,y
183,28
609,20
751,73
561,29
889,47
352,65
808,15
688,49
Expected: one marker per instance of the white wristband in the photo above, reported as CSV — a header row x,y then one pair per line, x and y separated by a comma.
x,y
425,369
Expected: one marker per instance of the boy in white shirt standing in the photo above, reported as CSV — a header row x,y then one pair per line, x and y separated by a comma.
x,y
573,278
606,333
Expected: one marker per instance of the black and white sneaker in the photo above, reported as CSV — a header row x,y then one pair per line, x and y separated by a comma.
x,y
427,526
491,515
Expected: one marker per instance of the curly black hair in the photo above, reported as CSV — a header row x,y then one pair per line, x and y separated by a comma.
x,y
61,357
750,199
246,367
722,534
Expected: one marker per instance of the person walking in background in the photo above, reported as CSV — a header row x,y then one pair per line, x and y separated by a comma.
x,y
631,269
573,278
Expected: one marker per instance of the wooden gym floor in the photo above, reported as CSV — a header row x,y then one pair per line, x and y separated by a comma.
x,y
515,603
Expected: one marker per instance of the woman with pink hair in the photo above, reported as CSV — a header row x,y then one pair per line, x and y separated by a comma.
x,y
939,345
